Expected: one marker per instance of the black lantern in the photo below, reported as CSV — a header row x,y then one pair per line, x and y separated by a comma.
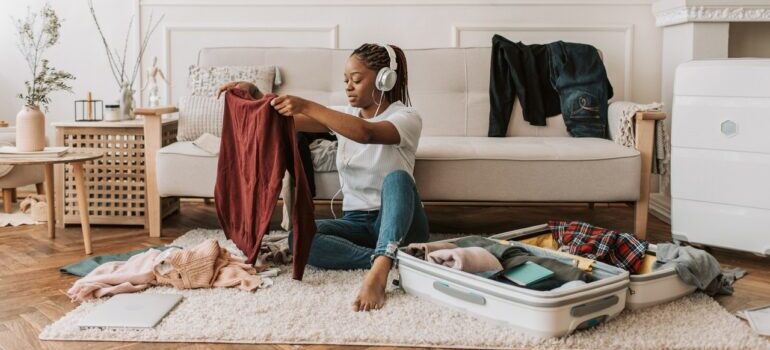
x,y
89,110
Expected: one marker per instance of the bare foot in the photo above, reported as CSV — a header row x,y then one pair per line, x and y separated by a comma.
x,y
372,293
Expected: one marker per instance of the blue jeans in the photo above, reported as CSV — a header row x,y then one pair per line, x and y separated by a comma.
x,y
578,75
353,241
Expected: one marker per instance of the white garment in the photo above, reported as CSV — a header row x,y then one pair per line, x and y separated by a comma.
x,y
208,142
323,153
362,167
622,131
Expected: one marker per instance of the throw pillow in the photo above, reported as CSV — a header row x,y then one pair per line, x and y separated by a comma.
x,y
204,81
199,115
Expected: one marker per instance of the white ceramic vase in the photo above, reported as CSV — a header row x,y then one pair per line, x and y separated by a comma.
x,y
30,129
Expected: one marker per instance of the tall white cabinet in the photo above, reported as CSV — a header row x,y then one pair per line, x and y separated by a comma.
x,y
720,155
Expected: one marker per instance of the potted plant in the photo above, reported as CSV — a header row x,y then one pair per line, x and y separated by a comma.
x,y
36,33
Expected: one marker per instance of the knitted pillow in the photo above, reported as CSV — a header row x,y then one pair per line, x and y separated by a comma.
x,y
199,115
204,81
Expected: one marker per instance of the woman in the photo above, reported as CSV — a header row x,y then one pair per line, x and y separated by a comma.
x,y
378,135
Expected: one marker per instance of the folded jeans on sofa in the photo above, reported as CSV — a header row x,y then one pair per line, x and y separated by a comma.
x,y
578,75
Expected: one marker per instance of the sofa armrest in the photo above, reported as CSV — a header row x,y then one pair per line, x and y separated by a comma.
x,y
153,141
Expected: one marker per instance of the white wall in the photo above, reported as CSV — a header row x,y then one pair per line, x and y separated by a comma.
x,y
79,52
623,29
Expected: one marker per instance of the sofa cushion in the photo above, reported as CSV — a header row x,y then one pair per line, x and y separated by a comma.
x,y
185,170
510,169
526,169
453,103
520,148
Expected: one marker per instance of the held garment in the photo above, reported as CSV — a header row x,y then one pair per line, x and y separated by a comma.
x,y
258,146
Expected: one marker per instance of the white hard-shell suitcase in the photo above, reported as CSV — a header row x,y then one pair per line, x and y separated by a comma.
x,y
541,313
720,154
647,289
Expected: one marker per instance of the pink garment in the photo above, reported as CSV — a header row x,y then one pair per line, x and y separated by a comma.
x,y
421,250
471,259
203,266
116,277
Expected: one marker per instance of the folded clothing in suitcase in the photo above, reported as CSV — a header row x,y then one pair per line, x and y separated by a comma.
x,y
646,287
543,313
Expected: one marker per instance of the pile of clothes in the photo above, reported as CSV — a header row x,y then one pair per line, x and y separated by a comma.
x,y
695,267
491,259
205,265
556,78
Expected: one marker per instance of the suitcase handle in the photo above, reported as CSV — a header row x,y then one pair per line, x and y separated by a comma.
x,y
596,305
455,293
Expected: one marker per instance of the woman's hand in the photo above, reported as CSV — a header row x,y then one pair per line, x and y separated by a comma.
x,y
288,105
250,88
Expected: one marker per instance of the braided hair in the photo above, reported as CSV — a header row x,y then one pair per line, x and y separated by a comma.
x,y
376,57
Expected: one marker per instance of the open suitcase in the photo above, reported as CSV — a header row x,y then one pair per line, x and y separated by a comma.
x,y
645,289
541,313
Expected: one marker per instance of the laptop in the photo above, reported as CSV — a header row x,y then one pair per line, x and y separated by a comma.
x,y
137,311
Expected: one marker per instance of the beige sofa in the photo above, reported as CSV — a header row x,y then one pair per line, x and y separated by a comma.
x,y
456,161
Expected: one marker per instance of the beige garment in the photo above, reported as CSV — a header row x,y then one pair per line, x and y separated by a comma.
x,y
421,250
116,277
26,205
206,265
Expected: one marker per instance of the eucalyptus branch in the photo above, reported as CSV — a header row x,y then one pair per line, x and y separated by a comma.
x,y
32,44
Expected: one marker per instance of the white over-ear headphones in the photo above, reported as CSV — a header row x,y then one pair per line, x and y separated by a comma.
x,y
386,77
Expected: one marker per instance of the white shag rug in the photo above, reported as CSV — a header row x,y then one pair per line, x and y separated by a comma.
x,y
318,311
16,219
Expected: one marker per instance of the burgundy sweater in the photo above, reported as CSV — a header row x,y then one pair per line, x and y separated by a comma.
x,y
258,146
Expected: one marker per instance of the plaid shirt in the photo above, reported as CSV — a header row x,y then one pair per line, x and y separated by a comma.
x,y
623,250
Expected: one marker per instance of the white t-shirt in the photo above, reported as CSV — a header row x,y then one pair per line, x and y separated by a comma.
x,y
362,167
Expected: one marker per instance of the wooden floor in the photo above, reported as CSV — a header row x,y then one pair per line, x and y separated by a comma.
x,y
32,289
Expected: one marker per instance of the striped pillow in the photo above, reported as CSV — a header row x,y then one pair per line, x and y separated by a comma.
x,y
199,115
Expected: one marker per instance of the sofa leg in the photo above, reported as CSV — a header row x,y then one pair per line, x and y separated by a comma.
x,y
641,211
645,131
40,188
591,206
8,200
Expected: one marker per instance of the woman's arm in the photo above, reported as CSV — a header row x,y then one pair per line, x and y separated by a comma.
x,y
351,127
307,124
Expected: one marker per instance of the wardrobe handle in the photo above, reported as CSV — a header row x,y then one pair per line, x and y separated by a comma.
x,y
459,294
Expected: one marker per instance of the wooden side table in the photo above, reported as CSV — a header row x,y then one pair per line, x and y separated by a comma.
x,y
76,160
118,180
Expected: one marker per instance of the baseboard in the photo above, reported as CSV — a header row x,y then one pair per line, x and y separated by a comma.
x,y
660,207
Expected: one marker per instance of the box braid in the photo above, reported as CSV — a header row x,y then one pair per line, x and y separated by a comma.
x,y
376,57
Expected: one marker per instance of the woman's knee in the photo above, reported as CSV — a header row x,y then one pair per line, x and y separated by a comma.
x,y
398,178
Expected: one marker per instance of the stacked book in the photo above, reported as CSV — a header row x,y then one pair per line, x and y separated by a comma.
x,y
48,152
